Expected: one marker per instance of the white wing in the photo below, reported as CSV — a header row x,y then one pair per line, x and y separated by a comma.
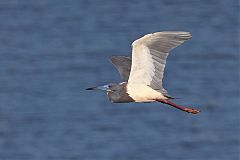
x,y
149,55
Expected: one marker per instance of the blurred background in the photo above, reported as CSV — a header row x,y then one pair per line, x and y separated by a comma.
x,y
51,50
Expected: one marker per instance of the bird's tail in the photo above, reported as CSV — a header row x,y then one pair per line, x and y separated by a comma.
x,y
170,97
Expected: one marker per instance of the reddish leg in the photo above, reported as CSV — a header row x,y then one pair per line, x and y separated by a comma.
x,y
189,110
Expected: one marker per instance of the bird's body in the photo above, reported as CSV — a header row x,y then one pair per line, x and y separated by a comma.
x,y
143,73
150,95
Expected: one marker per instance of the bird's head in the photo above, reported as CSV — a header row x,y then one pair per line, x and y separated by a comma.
x,y
116,92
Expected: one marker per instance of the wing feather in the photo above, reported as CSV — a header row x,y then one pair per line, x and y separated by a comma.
x,y
123,65
149,55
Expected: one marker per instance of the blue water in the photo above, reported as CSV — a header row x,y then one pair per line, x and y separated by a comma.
x,y
51,50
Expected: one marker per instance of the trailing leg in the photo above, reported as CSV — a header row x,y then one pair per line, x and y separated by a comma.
x,y
189,110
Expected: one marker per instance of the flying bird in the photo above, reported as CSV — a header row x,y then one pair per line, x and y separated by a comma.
x,y
142,74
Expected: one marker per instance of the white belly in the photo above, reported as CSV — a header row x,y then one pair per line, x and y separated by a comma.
x,y
143,93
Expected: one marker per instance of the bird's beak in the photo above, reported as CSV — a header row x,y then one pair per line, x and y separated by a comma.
x,y
104,88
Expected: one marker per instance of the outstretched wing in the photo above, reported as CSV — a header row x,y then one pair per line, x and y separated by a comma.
x,y
123,65
149,55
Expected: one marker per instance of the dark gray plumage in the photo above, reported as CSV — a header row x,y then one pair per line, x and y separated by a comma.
x,y
123,65
117,93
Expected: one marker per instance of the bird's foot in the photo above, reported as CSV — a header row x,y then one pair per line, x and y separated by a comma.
x,y
191,110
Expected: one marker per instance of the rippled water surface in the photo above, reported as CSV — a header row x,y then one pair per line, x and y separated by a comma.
x,y
51,50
